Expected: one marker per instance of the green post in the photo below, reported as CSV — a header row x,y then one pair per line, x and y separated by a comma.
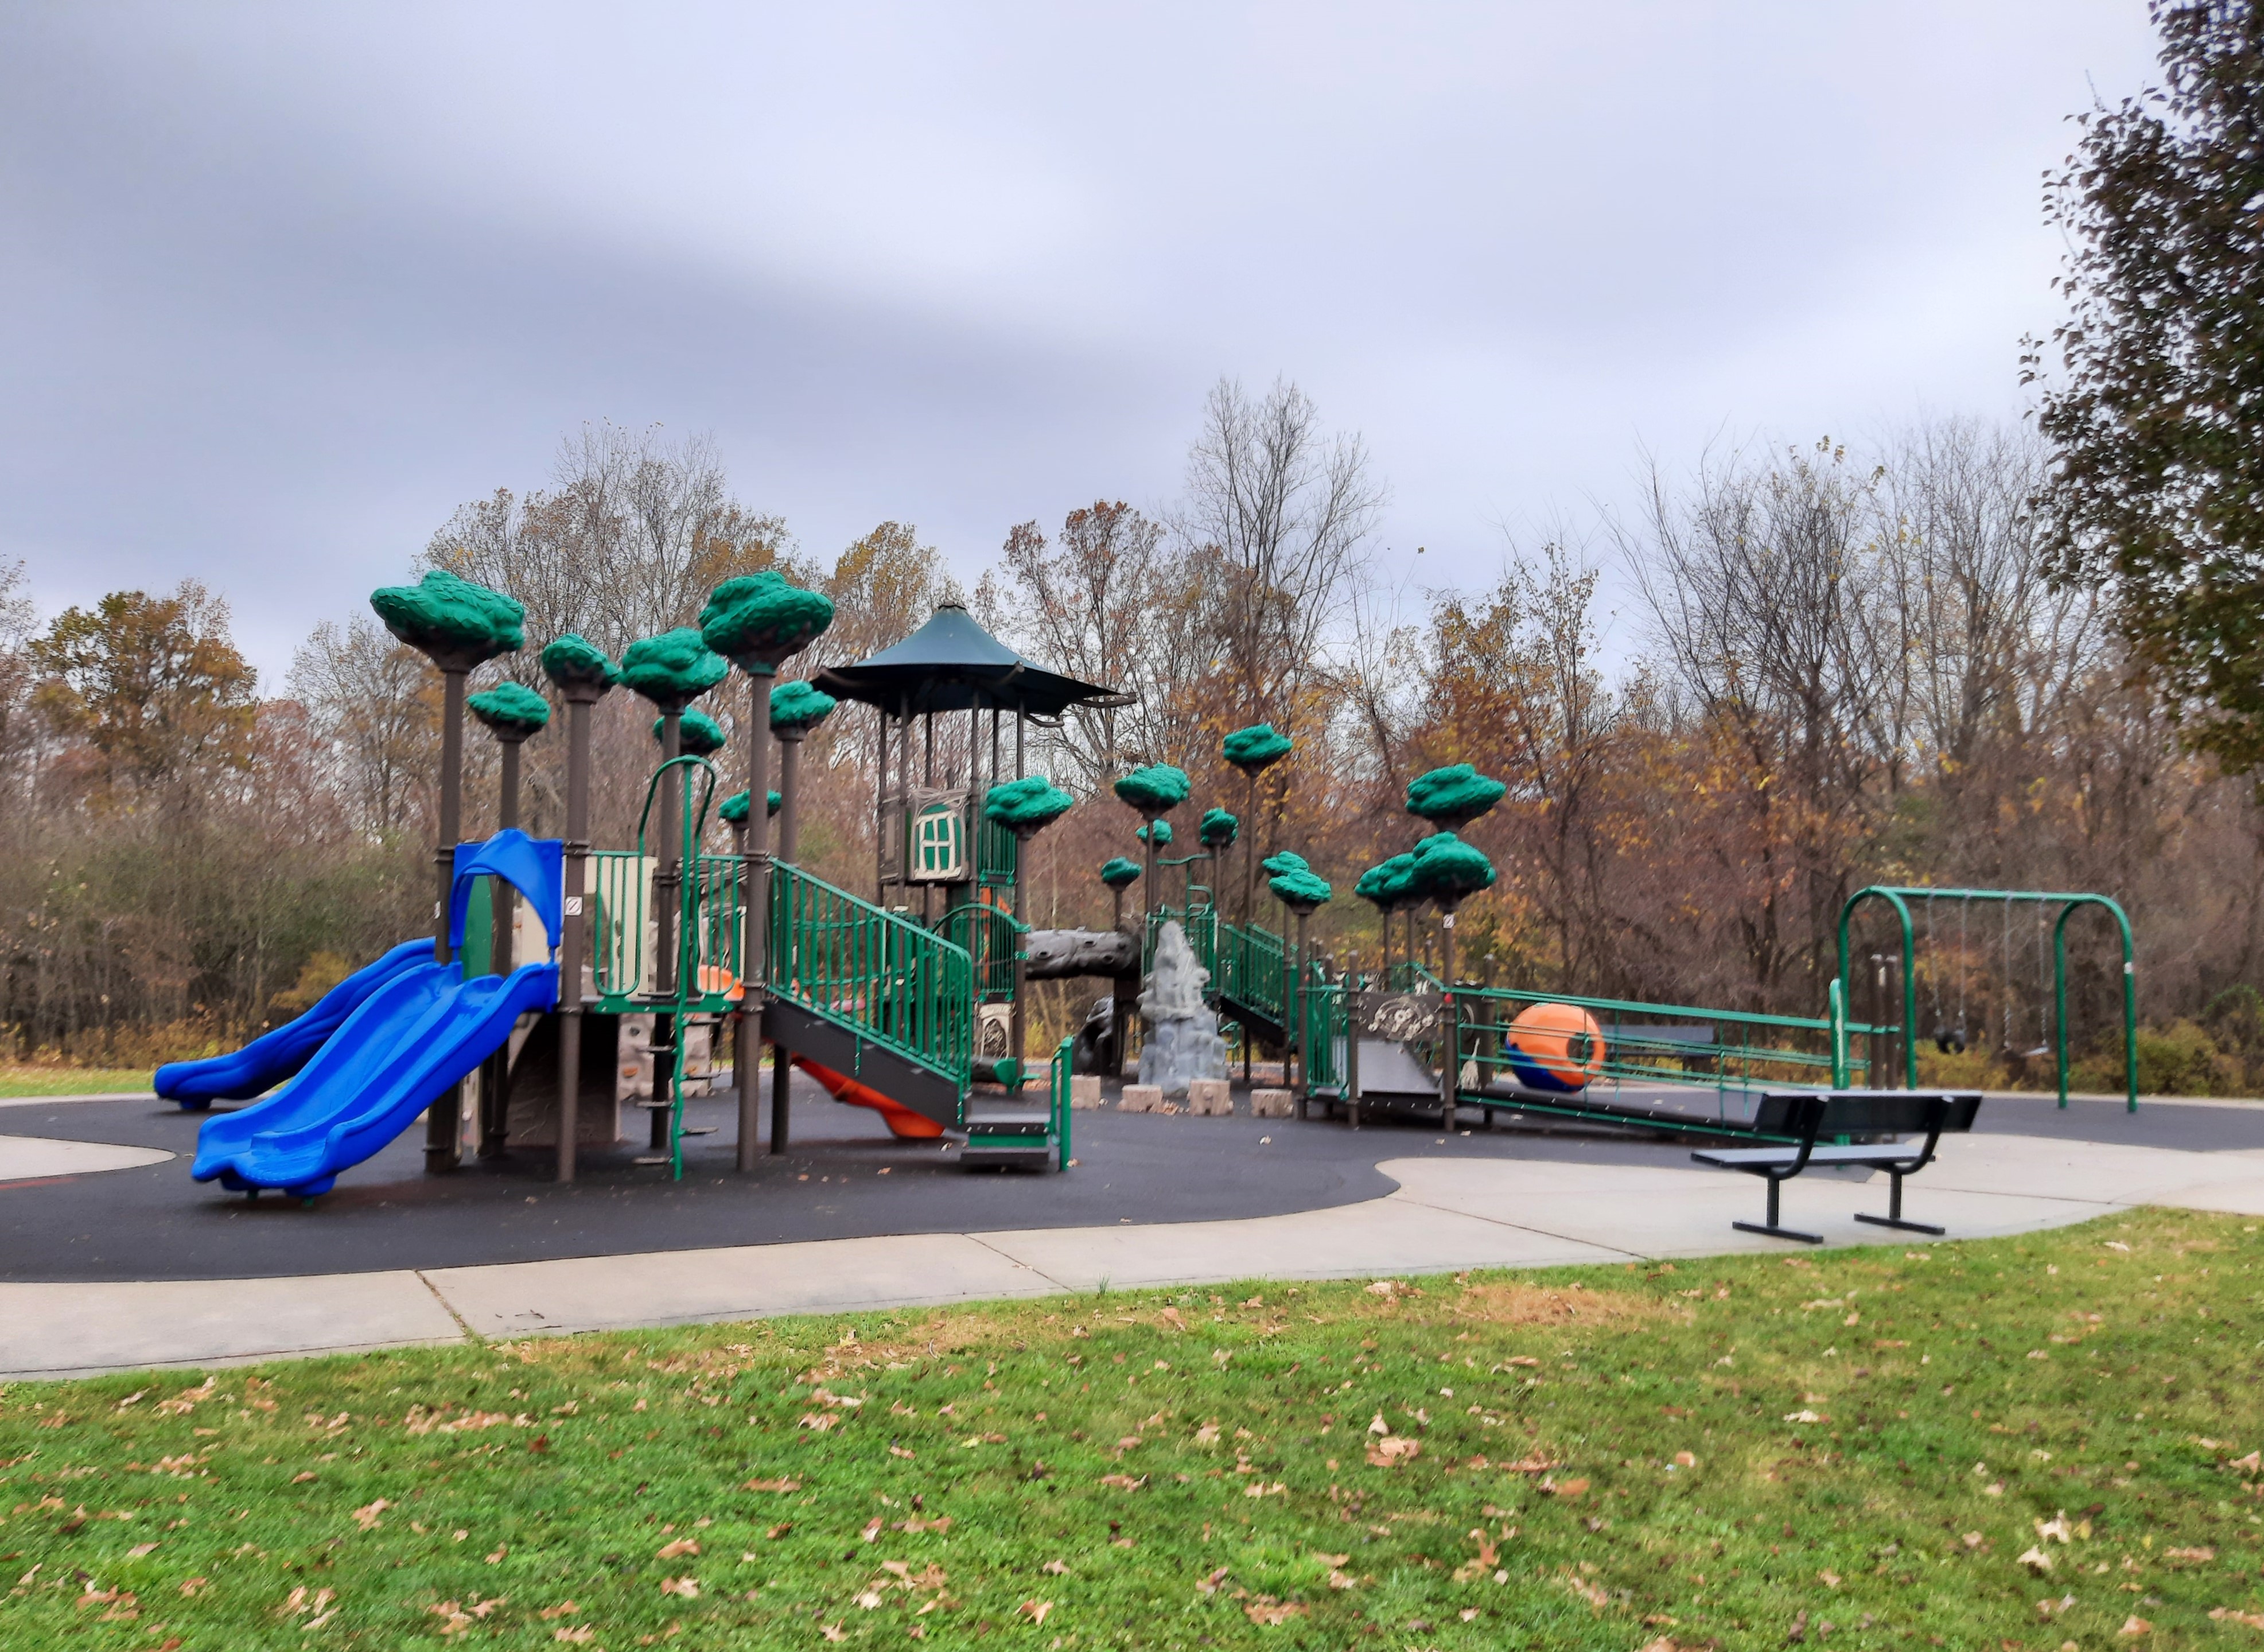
x,y
1836,997
2130,995
1893,898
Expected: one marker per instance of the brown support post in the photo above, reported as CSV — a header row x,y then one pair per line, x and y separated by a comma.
x,y
880,818
1449,1029
1015,1039
443,1120
747,1048
495,1071
667,896
790,850
575,930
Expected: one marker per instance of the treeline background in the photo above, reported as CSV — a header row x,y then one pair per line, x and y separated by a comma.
x,y
1838,665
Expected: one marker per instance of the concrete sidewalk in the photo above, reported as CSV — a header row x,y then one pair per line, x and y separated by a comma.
x,y
1445,1214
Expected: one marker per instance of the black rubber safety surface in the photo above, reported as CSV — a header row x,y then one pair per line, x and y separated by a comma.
x,y
844,1178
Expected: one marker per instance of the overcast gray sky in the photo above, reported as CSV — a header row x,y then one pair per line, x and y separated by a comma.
x,y
279,286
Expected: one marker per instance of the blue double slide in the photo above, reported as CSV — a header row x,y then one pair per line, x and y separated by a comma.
x,y
272,1057
412,1030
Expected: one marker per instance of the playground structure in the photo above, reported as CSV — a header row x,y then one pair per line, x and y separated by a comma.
x,y
565,982
649,954
1409,1037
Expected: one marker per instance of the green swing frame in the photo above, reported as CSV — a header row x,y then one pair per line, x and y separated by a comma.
x,y
1898,896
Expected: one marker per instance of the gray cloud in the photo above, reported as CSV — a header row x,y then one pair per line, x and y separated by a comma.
x,y
282,285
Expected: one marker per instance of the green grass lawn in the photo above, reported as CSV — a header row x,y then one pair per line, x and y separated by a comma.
x,y
2016,1444
20,1081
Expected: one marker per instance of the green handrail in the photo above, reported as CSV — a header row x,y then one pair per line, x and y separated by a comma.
x,y
1252,969
1064,1068
876,973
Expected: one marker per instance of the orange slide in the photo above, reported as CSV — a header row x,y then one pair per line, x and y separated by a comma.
x,y
903,1122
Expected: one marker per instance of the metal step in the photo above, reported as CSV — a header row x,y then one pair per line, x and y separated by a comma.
x,y
1034,1152
989,1118
909,1083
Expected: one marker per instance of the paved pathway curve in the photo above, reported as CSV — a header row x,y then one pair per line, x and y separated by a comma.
x,y
1445,1213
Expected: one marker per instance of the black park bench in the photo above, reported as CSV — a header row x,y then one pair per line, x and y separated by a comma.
x,y
1805,1116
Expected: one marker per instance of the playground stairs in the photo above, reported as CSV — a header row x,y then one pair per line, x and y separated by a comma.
x,y
1010,1132
932,1091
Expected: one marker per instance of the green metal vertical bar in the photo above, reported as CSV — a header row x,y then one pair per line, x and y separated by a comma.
x,y
1836,998
2130,993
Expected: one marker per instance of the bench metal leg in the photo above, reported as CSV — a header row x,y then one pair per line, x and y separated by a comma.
x,y
1894,1216
1770,1227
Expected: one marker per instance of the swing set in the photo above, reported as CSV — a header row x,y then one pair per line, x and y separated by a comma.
x,y
1951,1036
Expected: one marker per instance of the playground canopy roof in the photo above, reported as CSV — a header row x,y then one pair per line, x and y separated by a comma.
x,y
951,664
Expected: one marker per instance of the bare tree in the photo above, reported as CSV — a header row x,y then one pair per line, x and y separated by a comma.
x,y
370,705
633,534
1111,603
1285,509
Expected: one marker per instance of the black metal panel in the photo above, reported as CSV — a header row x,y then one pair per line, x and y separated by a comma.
x,y
905,1082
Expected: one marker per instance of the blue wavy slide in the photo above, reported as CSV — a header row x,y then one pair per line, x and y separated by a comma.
x,y
402,1048
274,1056
407,1044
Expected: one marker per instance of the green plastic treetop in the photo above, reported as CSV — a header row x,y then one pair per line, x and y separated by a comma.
x,y
580,669
736,807
1256,748
758,620
672,669
798,707
697,734
1120,873
511,711
1025,805
452,621
1155,790
1448,870
1301,890
1453,797
1218,829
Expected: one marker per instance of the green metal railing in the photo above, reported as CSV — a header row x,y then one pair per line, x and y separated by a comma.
x,y
1064,1067
1726,1050
1324,1024
713,933
711,902
1254,969
998,854
992,937
880,975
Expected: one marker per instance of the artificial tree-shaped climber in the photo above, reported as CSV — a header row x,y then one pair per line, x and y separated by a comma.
x,y
1024,807
1154,792
1447,872
456,625
758,622
513,713
582,673
1253,750
1450,798
671,670
795,707
1216,834
734,810
1120,874
1385,886
697,734
1305,893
